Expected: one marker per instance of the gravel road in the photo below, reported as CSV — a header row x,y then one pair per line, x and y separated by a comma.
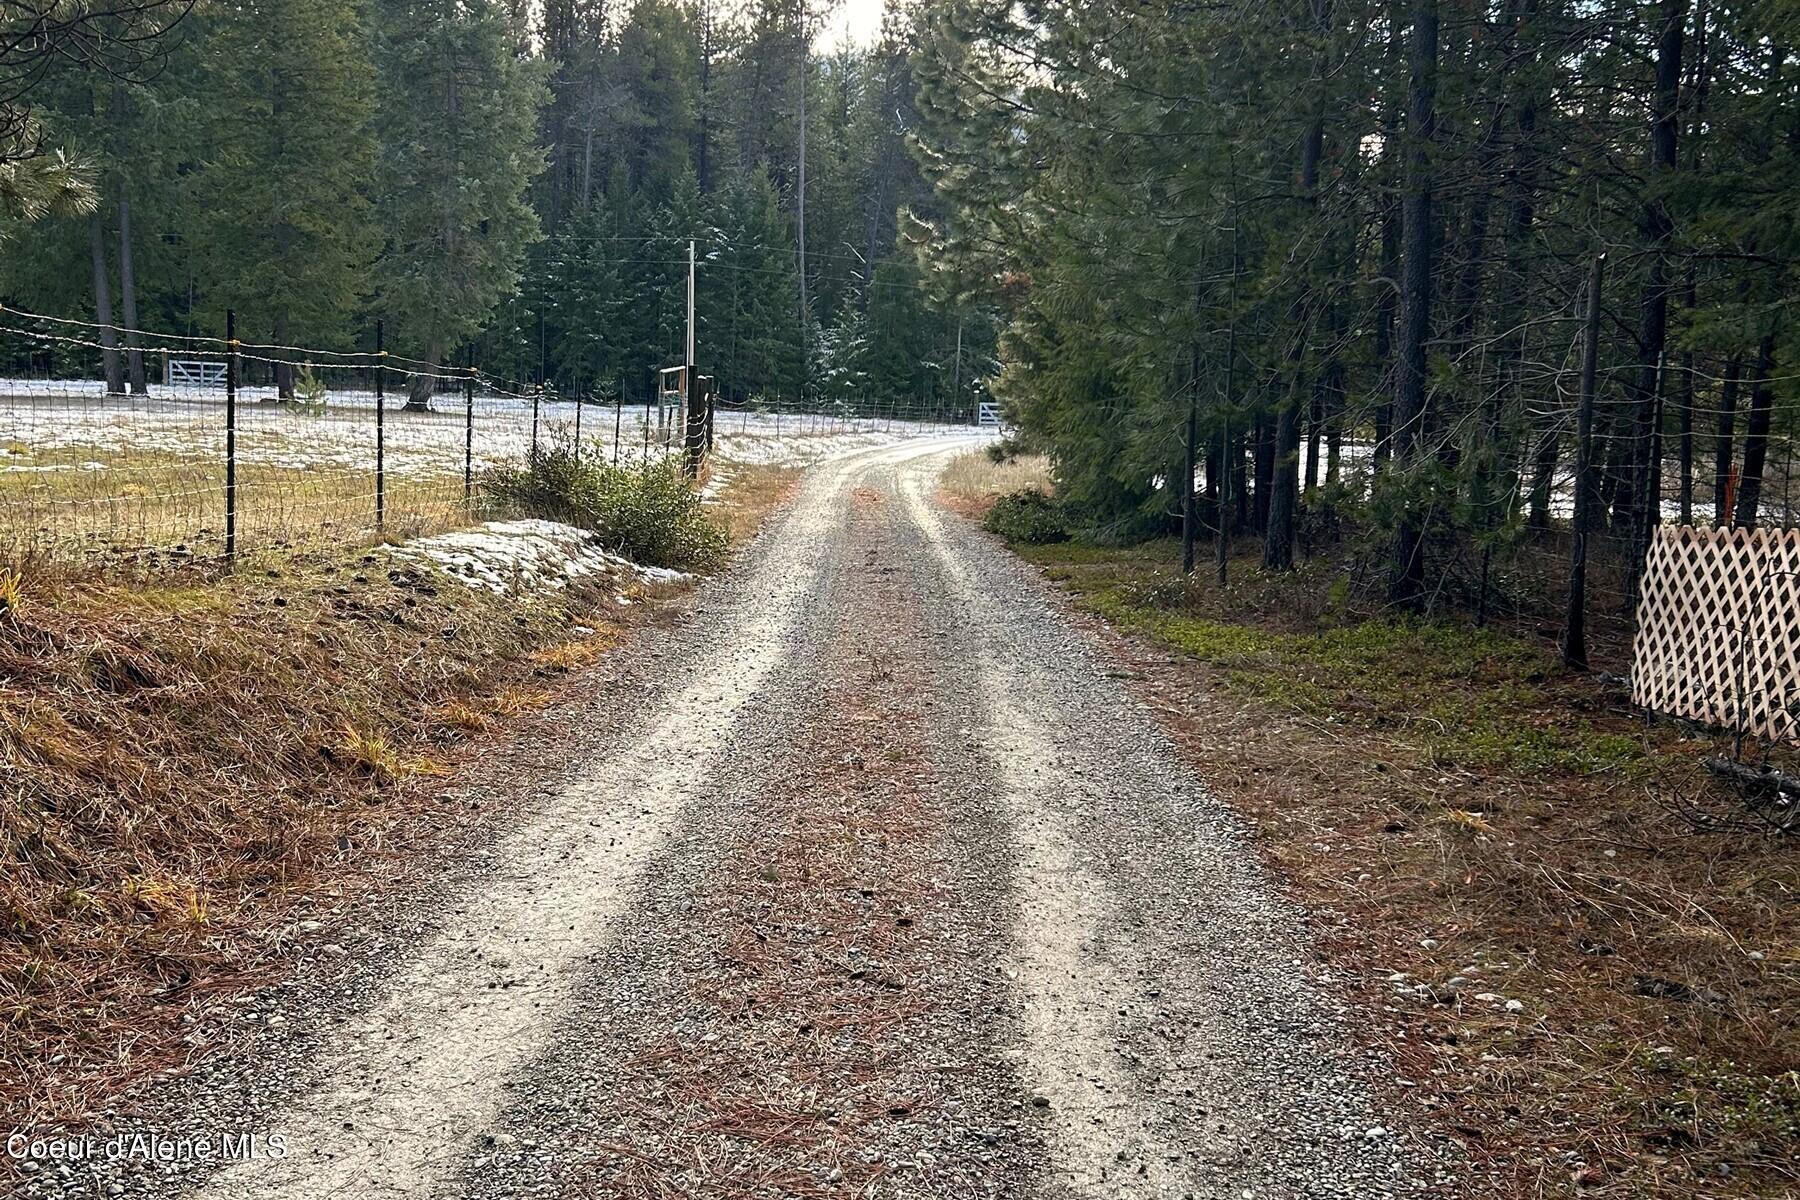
x,y
885,886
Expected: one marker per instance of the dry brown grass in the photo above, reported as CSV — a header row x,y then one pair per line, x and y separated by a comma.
x,y
972,482
84,503
184,753
589,644
461,714
519,699
750,496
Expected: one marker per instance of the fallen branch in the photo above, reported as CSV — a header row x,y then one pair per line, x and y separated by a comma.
x,y
1766,780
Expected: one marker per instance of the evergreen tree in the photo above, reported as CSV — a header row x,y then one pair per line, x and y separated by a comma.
x,y
289,154
751,272
658,82
457,121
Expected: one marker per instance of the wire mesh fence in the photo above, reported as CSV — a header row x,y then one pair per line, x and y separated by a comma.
x,y
1513,557
233,447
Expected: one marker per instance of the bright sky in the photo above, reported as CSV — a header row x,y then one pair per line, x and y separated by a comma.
x,y
853,23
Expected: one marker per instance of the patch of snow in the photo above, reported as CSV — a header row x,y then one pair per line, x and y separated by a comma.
x,y
39,468
531,555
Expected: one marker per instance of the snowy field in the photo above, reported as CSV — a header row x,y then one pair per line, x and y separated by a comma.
x,y
38,419
83,470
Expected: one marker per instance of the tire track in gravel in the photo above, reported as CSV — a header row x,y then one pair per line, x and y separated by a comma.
x,y
805,1006
408,1086
1170,1015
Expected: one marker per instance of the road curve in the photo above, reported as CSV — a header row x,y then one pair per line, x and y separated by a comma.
x,y
888,889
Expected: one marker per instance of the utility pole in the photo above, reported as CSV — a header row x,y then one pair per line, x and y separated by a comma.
x,y
800,207
694,431
956,373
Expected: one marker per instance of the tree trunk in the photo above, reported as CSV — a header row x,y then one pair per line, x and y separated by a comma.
x,y
1574,640
134,354
1639,510
1387,299
800,216
956,375
1239,476
1756,437
703,143
1315,420
103,307
1543,478
1406,584
419,386
1278,540
1698,86
1724,446
284,370
1190,515
1685,447
1520,220
1284,467
587,169
1263,451
1334,449
1215,466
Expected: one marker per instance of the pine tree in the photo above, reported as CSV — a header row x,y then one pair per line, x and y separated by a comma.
x,y
289,156
457,121
750,274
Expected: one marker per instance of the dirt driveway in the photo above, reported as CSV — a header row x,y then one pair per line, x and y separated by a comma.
x,y
887,888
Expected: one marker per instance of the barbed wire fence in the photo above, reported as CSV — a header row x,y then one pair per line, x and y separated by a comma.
x,y
235,447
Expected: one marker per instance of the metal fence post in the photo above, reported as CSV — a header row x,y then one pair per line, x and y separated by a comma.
x,y
469,430
536,399
578,407
380,431
231,374
618,416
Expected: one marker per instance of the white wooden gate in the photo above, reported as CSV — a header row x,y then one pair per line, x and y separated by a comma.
x,y
193,372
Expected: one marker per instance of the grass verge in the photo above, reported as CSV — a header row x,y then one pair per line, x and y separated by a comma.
x,y
971,483
100,505
1590,986
186,754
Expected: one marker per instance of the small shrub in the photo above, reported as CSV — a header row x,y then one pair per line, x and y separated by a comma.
x,y
648,512
309,391
1010,447
1027,516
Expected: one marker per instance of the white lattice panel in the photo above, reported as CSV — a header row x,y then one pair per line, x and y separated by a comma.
x,y
1719,628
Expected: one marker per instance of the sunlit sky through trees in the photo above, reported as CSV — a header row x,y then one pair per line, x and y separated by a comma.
x,y
852,23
